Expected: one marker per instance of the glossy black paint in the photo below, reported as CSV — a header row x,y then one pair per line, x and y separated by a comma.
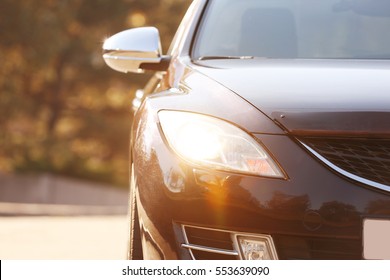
x,y
273,101
348,96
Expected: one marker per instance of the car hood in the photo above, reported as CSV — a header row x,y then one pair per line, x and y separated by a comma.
x,y
311,96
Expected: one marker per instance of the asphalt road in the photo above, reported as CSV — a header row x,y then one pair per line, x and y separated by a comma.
x,y
63,238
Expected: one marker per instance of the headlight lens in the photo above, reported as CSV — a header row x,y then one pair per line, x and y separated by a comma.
x,y
216,144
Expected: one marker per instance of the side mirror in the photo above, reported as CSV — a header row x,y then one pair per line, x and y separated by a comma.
x,y
135,50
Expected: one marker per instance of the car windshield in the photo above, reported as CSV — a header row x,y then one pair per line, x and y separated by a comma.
x,y
352,29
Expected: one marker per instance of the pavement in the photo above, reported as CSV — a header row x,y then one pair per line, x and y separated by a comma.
x,y
49,195
31,209
63,237
49,217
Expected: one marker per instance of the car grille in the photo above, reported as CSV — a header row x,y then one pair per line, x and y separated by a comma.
x,y
367,159
206,244
210,244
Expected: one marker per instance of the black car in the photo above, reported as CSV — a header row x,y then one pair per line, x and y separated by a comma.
x,y
264,133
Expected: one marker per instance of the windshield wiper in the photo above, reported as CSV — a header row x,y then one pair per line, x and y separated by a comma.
x,y
224,57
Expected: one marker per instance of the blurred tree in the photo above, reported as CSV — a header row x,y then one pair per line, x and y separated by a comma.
x,y
61,109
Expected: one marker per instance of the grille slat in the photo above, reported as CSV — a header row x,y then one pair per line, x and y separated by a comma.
x,y
215,239
206,244
200,255
365,158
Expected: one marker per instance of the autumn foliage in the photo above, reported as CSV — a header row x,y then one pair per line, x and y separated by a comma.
x,y
62,110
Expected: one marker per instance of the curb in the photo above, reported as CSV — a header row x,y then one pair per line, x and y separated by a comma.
x,y
30,209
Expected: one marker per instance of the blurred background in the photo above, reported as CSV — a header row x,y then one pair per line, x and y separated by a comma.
x,y
62,111
65,117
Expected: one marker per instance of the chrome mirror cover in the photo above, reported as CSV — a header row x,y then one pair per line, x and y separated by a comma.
x,y
126,51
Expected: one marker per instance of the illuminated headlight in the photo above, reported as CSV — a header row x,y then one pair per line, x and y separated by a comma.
x,y
257,248
216,144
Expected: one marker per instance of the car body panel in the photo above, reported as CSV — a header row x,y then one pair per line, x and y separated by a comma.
x,y
312,95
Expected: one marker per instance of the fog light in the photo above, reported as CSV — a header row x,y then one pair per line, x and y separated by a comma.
x,y
257,248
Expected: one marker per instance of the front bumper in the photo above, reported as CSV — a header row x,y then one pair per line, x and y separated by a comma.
x,y
188,212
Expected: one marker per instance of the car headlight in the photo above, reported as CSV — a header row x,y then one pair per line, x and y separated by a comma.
x,y
216,144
